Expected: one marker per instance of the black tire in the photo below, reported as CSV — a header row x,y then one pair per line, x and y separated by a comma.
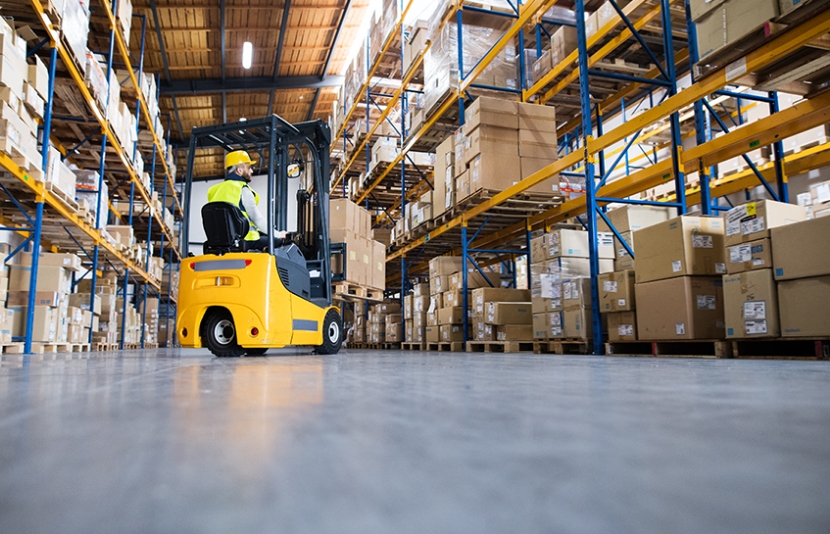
x,y
332,334
256,352
219,335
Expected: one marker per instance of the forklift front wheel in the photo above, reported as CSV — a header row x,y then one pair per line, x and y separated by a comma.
x,y
220,334
332,334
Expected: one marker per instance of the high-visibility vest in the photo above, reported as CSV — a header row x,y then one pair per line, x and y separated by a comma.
x,y
230,191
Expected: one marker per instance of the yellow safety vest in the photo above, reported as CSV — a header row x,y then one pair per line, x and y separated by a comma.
x,y
230,191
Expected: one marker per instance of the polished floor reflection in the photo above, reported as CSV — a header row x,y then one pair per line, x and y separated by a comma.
x,y
373,442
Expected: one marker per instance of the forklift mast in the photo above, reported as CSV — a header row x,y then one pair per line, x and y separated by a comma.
x,y
274,140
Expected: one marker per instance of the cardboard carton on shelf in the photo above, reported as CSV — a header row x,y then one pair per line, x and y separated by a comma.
x,y
685,307
751,304
724,24
491,112
801,250
631,218
482,296
622,326
680,247
451,333
504,313
749,256
801,306
616,291
454,315
577,323
753,220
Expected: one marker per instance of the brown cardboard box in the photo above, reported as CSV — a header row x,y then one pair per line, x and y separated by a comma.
x,y
444,173
454,298
444,265
42,298
481,296
81,300
44,327
632,218
701,8
576,292
616,291
474,280
419,305
48,259
454,315
622,326
542,66
680,247
421,290
536,118
463,186
753,220
749,256
514,332
378,279
544,305
802,304
538,144
483,331
494,171
439,284
533,165
541,325
751,305
432,334
389,307
407,307
563,42
451,333
492,139
501,313
345,214
491,111
730,22
801,250
624,261
393,332
788,6
419,321
576,323
574,244
50,278
685,307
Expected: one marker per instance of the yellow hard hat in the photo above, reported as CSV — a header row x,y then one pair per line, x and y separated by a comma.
x,y
232,159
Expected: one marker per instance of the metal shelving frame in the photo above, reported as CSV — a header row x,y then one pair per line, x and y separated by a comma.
x,y
592,141
43,196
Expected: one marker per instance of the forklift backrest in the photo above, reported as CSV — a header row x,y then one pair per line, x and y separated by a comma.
x,y
225,228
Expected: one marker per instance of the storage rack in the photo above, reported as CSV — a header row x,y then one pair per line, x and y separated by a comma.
x,y
64,228
584,142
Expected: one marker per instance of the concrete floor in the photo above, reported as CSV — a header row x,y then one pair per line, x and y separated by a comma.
x,y
373,442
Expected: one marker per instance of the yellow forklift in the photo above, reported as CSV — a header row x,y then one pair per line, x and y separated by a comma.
x,y
238,302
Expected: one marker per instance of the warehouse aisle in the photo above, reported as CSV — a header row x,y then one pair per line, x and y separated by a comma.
x,y
177,441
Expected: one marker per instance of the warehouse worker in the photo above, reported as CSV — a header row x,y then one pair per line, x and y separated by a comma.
x,y
236,190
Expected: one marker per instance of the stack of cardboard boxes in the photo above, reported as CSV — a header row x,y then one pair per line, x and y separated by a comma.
x,y
150,319
721,24
679,284
365,261
52,300
360,322
500,314
501,143
384,324
560,282
616,289
816,200
416,306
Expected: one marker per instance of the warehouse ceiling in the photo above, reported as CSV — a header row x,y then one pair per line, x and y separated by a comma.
x,y
300,49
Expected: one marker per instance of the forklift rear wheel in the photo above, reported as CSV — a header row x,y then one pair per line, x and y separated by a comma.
x,y
220,335
256,352
332,334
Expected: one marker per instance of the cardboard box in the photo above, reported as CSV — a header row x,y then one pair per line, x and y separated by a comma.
x,y
802,304
345,214
631,218
50,278
542,66
454,315
680,247
474,280
701,8
686,307
536,118
749,256
432,334
463,186
801,250
444,176
451,333
492,112
574,244
38,77
514,332
753,220
81,300
44,327
751,305
616,291
576,323
482,296
445,265
494,171
531,166
541,325
42,298
439,284
49,259
491,140
788,6
455,298
624,261
502,313
731,21
622,326
576,292
483,331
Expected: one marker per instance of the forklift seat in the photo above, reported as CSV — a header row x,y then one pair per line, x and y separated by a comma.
x,y
225,228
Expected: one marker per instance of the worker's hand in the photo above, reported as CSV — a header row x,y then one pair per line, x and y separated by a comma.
x,y
280,234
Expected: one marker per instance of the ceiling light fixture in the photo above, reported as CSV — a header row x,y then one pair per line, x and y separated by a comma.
x,y
247,54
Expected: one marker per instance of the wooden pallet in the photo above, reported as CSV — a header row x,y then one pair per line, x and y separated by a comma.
x,y
350,291
709,348
782,348
561,346
500,346
455,346
151,345
37,348
103,347
72,347
413,346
